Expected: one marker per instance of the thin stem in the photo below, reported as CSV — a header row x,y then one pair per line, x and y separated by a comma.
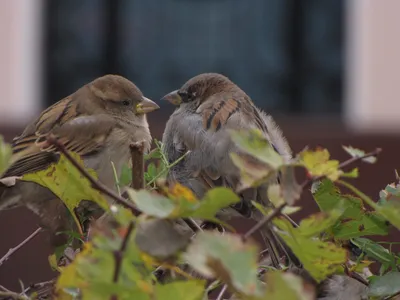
x,y
13,295
37,286
222,292
265,220
118,255
167,168
95,184
360,194
15,249
116,178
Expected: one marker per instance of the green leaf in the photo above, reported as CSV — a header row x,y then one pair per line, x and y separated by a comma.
x,y
318,223
5,156
152,203
320,259
352,174
228,258
386,285
188,290
318,164
354,152
182,203
67,183
285,286
375,251
355,221
212,203
255,143
391,212
126,176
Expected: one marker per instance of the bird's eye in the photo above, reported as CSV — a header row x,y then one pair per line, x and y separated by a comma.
x,y
126,102
186,96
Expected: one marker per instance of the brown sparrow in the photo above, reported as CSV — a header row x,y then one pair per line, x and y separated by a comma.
x,y
99,122
208,105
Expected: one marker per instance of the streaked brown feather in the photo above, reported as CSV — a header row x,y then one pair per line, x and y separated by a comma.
x,y
84,135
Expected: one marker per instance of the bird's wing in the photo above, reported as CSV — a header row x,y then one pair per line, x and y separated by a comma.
x,y
84,135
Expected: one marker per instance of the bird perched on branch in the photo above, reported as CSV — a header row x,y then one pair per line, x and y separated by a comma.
x,y
99,122
208,106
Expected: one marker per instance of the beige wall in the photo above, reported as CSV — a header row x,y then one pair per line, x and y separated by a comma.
x,y
20,47
373,65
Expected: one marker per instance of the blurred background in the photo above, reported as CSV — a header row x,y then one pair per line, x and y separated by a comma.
x,y
327,70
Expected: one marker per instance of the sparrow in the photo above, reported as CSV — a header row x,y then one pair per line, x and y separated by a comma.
x,y
209,105
99,122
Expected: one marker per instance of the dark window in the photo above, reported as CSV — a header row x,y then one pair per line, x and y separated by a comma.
x,y
286,54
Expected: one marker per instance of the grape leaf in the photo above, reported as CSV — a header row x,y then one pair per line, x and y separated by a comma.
x,y
67,183
355,221
227,257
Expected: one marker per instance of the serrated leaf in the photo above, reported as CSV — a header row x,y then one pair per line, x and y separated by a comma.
x,y
188,290
386,285
68,184
355,221
391,212
227,257
182,203
213,201
92,270
352,174
255,143
375,251
318,164
252,173
5,156
354,152
284,286
320,259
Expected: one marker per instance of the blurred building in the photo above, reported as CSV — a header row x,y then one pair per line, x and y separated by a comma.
x,y
308,58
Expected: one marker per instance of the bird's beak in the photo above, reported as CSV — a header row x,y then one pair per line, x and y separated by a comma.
x,y
146,106
173,98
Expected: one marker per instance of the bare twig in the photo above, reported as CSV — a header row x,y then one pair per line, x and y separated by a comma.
x,y
355,276
12,250
36,286
222,292
265,220
13,295
137,151
95,183
118,255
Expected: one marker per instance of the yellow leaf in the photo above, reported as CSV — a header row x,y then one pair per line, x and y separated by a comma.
x,y
318,164
67,183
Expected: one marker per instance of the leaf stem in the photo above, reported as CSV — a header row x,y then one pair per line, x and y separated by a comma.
x,y
118,255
